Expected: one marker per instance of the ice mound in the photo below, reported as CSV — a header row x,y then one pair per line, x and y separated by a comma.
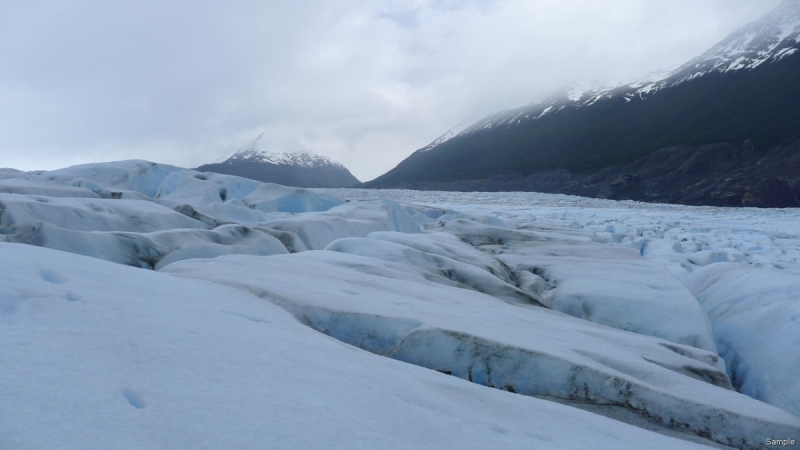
x,y
150,250
135,175
90,214
353,219
390,309
756,317
29,187
611,286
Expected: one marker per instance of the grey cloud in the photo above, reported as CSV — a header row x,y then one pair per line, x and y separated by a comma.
x,y
365,82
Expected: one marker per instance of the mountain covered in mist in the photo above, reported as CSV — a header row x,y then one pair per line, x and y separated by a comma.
x,y
299,169
721,129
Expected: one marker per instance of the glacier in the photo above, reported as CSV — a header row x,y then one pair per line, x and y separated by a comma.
x,y
146,305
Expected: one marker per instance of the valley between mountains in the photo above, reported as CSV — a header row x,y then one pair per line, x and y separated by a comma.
x,y
614,266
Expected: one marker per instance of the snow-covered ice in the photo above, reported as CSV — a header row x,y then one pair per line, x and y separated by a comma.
x,y
99,355
260,315
742,264
756,315
398,310
612,286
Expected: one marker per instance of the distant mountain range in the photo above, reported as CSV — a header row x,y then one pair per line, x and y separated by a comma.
x,y
742,95
289,169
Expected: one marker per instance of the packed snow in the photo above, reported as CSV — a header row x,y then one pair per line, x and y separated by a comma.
x,y
151,306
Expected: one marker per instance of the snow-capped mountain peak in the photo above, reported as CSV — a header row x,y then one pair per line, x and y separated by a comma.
x,y
299,159
771,38
302,169
255,152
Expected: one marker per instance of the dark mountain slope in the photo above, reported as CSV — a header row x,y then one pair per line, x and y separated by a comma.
x,y
716,175
744,88
761,105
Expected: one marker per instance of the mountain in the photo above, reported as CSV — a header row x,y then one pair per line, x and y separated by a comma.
x,y
289,169
744,89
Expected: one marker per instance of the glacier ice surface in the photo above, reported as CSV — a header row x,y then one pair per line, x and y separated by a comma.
x,y
608,306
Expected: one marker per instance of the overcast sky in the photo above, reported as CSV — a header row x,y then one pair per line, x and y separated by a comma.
x,y
365,82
